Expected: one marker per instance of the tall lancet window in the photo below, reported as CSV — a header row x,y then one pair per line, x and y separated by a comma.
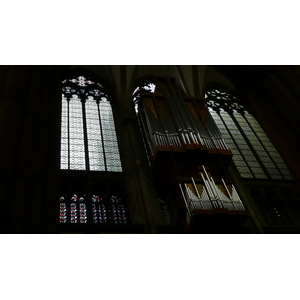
x,y
253,153
88,136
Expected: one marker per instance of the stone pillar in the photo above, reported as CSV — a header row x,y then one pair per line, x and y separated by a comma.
x,y
254,216
144,207
145,198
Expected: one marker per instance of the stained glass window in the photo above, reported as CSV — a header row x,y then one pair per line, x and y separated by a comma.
x,y
104,209
88,136
253,153
62,210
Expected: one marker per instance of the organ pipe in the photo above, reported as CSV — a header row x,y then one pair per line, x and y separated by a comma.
x,y
212,196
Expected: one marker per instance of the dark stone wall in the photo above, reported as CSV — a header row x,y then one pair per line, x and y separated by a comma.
x,y
29,137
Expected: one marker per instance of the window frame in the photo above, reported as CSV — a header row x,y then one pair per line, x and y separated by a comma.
x,y
82,88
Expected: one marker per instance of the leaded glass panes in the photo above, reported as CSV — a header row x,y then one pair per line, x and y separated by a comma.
x,y
94,136
93,132
62,210
76,138
64,135
250,144
103,209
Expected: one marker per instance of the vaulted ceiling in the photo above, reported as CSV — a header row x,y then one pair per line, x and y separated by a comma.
x,y
192,80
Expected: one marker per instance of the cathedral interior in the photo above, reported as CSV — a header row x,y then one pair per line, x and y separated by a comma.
x,y
150,149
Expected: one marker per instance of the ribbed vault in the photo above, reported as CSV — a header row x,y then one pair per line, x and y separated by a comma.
x,y
192,80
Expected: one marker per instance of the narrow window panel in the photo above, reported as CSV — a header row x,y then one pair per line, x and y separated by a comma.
x,y
232,147
94,135
261,152
278,160
265,160
277,177
246,152
245,148
273,171
237,158
261,176
64,145
250,158
245,171
256,168
246,175
109,134
64,134
254,164
236,154
75,129
238,137
240,163
252,138
282,167
285,171
269,165
257,146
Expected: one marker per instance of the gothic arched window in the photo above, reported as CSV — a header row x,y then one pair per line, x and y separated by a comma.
x,y
253,153
88,136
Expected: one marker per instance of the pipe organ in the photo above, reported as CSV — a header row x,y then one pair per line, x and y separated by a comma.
x,y
210,194
188,154
170,120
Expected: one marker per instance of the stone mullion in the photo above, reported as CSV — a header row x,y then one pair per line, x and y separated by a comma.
x,y
86,150
102,136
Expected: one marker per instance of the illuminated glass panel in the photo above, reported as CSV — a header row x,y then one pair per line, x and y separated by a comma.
x,y
76,138
95,131
117,211
73,209
253,153
109,137
64,161
82,210
62,210
108,210
94,136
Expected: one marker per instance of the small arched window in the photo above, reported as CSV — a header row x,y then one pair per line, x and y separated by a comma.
x,y
88,136
253,153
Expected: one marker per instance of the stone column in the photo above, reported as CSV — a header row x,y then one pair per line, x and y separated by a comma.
x,y
254,216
